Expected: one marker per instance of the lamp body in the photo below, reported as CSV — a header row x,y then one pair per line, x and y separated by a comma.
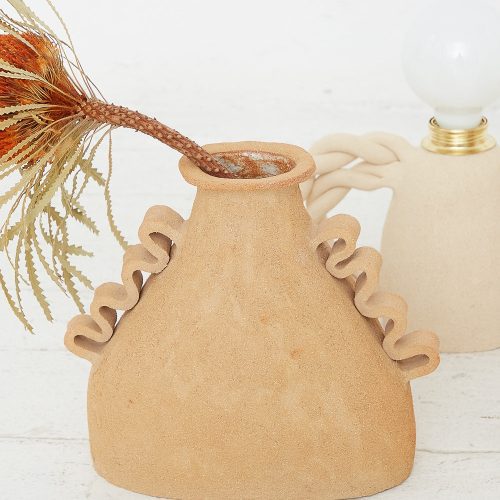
x,y
245,369
441,238
441,246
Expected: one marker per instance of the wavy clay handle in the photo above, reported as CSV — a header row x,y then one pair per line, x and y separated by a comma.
x,y
379,153
416,353
87,334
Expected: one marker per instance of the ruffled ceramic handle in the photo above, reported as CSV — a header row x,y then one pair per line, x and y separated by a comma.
x,y
417,353
380,154
87,334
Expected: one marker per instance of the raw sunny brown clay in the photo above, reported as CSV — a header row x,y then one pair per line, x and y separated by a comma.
x,y
250,364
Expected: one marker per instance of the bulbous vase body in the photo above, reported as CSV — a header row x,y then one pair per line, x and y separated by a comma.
x,y
245,369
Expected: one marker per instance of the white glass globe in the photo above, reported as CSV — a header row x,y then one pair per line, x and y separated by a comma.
x,y
451,59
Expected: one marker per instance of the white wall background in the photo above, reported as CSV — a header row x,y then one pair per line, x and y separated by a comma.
x,y
221,70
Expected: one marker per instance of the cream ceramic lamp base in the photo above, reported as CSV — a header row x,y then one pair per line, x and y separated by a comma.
x,y
441,240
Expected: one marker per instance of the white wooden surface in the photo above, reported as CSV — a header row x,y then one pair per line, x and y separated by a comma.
x,y
284,71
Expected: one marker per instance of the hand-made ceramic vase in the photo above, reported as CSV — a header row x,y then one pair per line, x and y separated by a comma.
x,y
441,238
251,364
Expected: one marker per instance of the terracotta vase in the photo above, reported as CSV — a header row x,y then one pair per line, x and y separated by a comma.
x,y
249,365
441,240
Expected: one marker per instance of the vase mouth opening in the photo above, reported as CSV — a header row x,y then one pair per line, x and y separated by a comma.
x,y
256,165
248,164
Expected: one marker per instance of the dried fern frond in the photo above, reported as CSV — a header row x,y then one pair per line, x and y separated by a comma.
x,y
51,124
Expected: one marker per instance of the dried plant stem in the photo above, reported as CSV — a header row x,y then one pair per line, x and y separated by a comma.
x,y
123,117
50,114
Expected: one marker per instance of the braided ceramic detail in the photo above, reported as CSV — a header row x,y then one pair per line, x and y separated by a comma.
x,y
347,161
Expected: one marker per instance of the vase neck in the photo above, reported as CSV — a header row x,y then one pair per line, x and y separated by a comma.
x,y
263,218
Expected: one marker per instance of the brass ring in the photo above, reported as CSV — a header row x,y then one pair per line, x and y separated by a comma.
x,y
458,142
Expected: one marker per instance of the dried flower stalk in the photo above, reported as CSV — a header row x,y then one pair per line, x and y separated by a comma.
x,y
51,124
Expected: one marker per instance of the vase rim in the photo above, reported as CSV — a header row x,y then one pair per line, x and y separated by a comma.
x,y
303,167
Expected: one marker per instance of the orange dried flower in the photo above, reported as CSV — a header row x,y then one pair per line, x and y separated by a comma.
x,y
56,101
51,123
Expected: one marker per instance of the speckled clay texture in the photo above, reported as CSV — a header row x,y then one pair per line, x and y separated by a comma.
x,y
247,367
